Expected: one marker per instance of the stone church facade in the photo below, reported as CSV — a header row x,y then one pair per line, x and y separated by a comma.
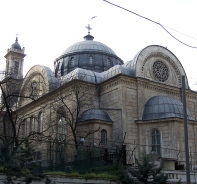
x,y
137,103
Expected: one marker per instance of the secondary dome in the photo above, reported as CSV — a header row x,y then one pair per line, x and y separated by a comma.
x,y
94,114
87,54
159,107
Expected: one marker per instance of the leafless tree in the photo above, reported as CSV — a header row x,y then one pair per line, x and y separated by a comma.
x,y
69,105
13,123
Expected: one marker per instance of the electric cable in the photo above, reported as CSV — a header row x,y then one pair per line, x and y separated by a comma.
x,y
152,22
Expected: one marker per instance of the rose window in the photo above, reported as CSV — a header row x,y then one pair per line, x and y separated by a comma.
x,y
160,71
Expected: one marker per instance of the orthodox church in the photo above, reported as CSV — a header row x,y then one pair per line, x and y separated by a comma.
x,y
137,103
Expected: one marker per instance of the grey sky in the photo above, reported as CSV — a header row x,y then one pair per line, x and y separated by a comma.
x,y
47,27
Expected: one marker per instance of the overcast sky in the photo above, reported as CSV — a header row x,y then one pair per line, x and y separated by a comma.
x,y
47,27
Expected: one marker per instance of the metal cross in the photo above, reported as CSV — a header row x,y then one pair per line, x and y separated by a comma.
x,y
16,37
89,28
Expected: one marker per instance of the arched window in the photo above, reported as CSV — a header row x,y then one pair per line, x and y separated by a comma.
x,y
40,122
72,61
108,62
90,60
34,89
61,129
103,137
24,129
38,155
16,67
31,124
156,141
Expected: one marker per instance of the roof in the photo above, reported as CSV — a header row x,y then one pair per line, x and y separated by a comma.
x,y
16,45
94,114
95,77
159,107
88,45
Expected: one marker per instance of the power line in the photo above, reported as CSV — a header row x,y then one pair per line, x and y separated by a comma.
x,y
180,32
152,22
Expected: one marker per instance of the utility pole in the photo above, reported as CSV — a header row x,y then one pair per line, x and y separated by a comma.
x,y
185,130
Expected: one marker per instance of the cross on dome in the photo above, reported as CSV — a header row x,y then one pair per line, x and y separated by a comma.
x,y
16,37
89,28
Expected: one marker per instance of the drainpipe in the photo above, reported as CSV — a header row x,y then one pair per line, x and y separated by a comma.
x,y
185,130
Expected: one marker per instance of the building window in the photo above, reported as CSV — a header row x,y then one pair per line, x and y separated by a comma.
x,y
61,129
156,141
103,137
108,62
16,67
34,89
7,67
38,155
24,129
90,60
72,62
40,122
32,124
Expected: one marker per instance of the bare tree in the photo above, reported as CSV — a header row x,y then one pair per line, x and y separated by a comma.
x,y
13,123
69,105
15,142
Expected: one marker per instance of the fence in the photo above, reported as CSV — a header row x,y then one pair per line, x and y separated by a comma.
x,y
86,159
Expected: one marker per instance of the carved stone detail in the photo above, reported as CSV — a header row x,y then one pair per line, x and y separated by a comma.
x,y
160,71
164,57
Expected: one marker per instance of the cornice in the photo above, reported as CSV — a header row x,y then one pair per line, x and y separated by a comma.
x,y
94,122
167,89
166,120
116,81
53,94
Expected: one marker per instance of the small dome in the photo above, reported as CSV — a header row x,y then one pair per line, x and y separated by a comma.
x,y
94,114
159,107
16,45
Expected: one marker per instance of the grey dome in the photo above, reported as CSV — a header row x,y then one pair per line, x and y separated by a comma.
x,y
16,45
94,114
87,54
159,107
88,46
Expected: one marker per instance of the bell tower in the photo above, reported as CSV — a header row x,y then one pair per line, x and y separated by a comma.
x,y
14,61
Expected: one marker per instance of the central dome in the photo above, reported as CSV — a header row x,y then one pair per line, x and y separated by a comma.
x,y
87,54
89,46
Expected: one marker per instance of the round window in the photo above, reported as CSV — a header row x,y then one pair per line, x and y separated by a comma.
x,y
160,71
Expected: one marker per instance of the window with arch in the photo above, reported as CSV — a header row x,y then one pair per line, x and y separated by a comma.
x,y
72,61
16,67
90,60
108,62
156,141
103,137
24,129
38,155
32,120
61,129
40,122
